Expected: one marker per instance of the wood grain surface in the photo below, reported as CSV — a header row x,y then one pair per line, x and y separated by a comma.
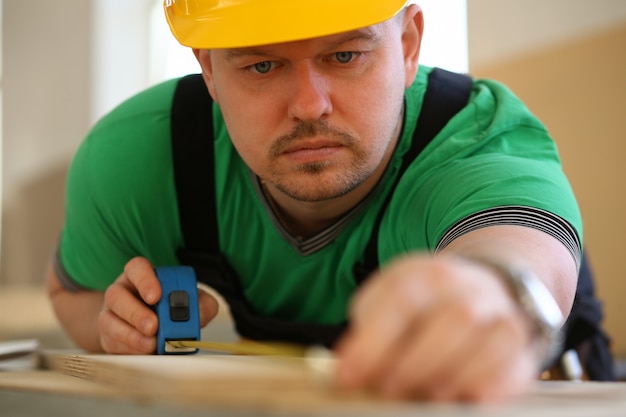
x,y
267,386
224,380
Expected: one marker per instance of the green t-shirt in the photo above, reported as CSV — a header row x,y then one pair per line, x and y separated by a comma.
x,y
494,163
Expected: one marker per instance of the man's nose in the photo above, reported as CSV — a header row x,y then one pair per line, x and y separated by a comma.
x,y
309,95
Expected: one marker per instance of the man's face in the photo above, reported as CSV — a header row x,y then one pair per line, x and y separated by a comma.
x,y
317,117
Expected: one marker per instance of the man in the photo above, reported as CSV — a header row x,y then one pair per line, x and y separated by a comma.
x,y
315,106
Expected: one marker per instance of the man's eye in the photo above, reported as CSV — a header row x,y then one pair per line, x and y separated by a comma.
x,y
262,67
344,57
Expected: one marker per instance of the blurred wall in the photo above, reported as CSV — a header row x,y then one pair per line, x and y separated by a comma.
x,y
64,65
575,82
46,76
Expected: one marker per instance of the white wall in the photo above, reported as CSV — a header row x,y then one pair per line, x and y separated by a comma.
x,y
445,42
121,54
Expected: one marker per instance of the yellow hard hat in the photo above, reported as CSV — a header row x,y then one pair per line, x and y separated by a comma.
x,y
210,24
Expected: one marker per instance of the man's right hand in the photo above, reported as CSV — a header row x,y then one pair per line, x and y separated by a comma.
x,y
121,319
127,323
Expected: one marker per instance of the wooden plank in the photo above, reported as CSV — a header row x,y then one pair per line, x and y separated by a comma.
x,y
55,383
288,386
223,380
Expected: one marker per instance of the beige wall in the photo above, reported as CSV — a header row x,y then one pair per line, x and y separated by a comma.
x,y
578,88
46,95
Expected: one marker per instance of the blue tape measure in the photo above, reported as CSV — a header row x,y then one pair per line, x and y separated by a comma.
x,y
177,310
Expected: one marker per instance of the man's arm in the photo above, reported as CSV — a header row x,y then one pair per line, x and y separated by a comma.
x,y
449,328
547,257
77,311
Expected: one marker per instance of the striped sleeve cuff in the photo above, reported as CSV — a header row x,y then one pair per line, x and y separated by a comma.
x,y
66,281
536,218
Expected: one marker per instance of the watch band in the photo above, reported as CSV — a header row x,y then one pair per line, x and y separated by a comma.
x,y
536,302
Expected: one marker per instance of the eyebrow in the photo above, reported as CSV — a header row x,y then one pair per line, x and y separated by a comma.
x,y
368,34
243,52
365,35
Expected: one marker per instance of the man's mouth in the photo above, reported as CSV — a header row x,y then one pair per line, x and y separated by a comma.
x,y
312,151
311,146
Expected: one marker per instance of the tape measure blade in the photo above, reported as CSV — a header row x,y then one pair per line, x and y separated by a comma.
x,y
243,348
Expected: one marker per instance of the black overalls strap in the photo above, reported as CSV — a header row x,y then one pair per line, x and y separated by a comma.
x,y
192,149
193,154
193,157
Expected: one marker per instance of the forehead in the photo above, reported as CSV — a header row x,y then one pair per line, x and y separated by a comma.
x,y
368,36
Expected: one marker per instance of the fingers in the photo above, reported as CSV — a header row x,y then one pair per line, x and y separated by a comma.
x,y
117,336
127,324
387,308
500,368
366,351
470,363
412,374
424,330
121,300
141,277
476,362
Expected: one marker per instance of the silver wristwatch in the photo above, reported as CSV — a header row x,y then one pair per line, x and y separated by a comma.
x,y
537,303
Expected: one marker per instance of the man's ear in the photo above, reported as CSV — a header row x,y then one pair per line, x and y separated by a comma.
x,y
412,30
204,59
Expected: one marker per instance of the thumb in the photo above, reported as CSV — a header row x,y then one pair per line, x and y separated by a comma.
x,y
208,306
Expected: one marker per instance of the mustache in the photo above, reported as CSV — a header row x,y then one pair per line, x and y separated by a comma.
x,y
310,129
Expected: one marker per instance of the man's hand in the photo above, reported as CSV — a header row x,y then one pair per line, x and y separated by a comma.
x,y
127,324
438,328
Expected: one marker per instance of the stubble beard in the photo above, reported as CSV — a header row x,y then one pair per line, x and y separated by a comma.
x,y
320,184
